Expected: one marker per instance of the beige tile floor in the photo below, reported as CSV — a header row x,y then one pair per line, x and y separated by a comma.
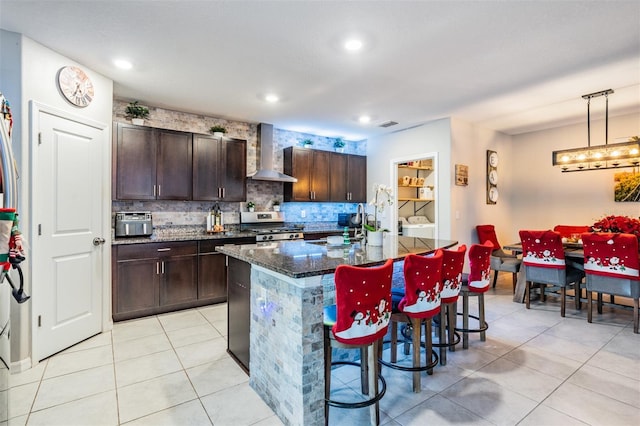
x,y
535,368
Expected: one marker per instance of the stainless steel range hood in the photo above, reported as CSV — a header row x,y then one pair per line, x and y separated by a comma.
x,y
266,170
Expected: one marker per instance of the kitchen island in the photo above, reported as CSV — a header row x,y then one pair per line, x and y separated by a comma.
x,y
289,283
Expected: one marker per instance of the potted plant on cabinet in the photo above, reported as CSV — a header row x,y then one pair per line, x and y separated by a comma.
x,y
307,143
137,113
251,206
339,145
218,131
276,205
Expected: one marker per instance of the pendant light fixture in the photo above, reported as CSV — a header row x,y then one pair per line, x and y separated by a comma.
x,y
607,156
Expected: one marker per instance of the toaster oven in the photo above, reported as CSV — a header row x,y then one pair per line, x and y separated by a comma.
x,y
133,224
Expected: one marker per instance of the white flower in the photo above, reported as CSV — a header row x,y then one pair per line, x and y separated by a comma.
x,y
383,195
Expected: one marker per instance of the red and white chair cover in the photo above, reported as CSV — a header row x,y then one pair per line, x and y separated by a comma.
x,y
612,266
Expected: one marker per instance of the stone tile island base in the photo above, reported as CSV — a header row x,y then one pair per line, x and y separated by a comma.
x,y
286,345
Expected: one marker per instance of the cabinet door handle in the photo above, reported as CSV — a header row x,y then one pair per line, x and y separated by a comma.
x,y
164,249
159,189
223,192
163,267
157,268
154,190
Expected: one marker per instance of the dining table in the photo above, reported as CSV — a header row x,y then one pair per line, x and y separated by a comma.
x,y
573,252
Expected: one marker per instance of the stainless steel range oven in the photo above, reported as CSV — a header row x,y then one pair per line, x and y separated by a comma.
x,y
269,226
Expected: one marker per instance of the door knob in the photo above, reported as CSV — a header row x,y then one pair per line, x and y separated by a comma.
x,y
97,241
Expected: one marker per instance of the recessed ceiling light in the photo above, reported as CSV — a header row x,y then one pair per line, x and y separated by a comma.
x,y
271,98
353,44
123,64
364,119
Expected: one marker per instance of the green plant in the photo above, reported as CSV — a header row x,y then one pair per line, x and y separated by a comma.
x,y
251,205
307,142
339,143
134,110
218,129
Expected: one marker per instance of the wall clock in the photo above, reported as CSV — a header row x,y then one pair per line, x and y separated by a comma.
x,y
75,86
492,177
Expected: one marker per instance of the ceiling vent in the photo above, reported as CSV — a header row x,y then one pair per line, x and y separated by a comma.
x,y
388,123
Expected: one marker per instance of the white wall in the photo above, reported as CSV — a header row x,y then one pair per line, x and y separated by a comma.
x,y
34,69
547,197
384,151
469,145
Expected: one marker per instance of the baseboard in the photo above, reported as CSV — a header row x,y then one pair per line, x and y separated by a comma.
x,y
20,366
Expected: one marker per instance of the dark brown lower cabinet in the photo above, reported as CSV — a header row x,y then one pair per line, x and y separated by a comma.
x,y
154,278
212,272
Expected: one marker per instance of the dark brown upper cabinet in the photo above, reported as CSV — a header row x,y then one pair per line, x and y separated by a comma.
x,y
219,168
311,168
325,176
152,164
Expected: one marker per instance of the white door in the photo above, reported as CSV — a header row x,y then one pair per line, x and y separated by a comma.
x,y
69,184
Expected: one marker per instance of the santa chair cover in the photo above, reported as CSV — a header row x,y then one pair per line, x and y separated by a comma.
x,y
452,265
363,303
422,285
611,255
488,233
567,231
542,249
480,267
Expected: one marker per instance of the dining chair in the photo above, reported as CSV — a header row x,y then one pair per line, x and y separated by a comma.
x,y
567,231
500,260
359,320
417,307
475,283
612,266
544,264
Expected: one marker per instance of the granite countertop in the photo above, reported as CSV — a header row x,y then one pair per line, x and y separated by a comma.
x,y
171,233
299,259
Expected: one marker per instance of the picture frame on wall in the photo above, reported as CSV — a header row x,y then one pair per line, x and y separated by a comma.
x,y
462,174
627,187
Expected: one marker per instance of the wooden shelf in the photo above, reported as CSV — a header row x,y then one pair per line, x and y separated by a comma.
x,y
414,167
426,200
415,186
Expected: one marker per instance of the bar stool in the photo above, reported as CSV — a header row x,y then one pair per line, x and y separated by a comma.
x,y
420,303
452,266
358,320
476,283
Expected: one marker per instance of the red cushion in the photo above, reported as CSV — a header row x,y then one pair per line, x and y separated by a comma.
x,y
480,267
611,255
487,233
363,300
452,265
542,249
422,285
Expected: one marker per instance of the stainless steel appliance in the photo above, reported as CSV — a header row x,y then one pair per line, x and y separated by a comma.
x,y
133,224
269,226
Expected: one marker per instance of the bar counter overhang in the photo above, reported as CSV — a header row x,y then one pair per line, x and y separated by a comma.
x,y
291,282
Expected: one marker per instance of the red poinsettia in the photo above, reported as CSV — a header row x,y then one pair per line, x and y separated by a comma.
x,y
620,224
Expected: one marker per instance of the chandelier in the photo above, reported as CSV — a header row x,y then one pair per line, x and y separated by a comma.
x,y
607,156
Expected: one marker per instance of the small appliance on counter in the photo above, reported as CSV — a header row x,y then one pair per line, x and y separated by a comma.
x,y
133,224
